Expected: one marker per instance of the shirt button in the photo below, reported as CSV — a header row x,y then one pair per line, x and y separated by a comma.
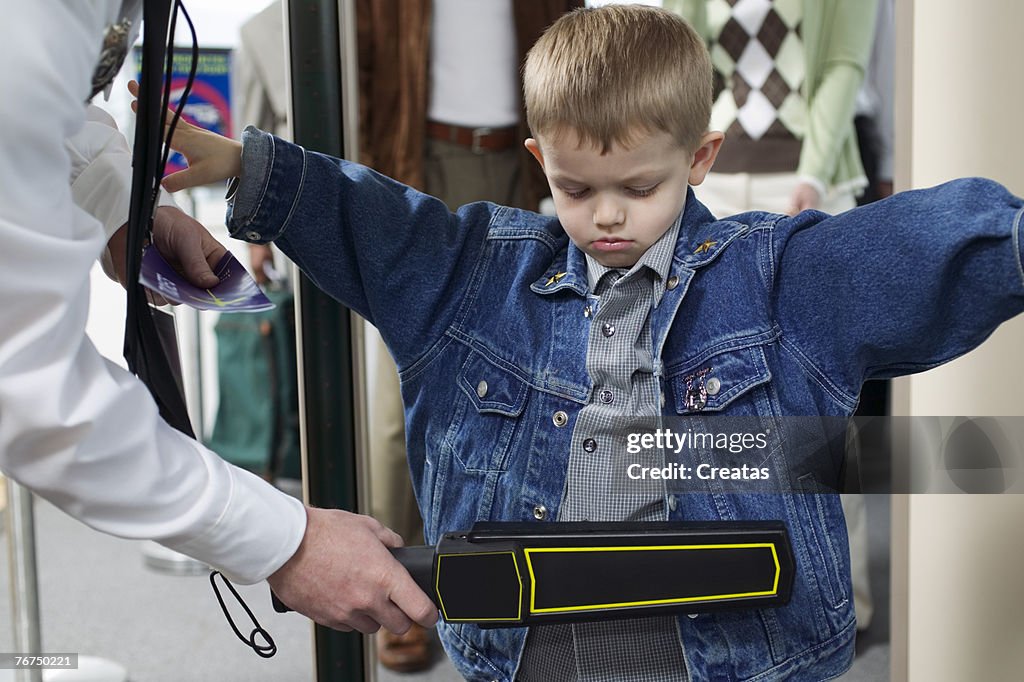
x,y
608,329
713,386
589,445
540,512
672,283
672,503
253,236
607,397
481,388
560,418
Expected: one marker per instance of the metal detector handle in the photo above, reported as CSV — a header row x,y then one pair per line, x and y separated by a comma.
x,y
417,559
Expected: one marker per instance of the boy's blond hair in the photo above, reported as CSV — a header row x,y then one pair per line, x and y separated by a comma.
x,y
608,73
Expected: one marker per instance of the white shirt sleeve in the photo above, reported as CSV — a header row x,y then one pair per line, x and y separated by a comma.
x,y
101,174
74,427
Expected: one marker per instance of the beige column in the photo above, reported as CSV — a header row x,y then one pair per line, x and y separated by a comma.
x,y
958,561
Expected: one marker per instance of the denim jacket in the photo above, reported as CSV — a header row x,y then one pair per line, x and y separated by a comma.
x,y
794,314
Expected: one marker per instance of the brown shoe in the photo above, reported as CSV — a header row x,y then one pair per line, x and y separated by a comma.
x,y
406,653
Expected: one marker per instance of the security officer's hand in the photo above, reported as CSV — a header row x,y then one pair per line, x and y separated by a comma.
x,y
183,242
344,577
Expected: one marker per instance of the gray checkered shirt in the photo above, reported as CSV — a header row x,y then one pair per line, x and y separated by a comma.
x,y
620,362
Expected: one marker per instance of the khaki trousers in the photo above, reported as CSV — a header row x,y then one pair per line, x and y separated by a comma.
x,y
726,194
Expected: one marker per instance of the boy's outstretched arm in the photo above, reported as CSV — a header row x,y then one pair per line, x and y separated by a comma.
x,y
394,255
898,286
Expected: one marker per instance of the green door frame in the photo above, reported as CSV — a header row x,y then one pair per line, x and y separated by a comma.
x,y
327,333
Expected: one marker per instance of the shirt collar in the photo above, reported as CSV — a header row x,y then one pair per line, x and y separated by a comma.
x,y
657,259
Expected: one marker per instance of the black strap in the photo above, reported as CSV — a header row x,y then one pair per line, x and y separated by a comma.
x,y
264,650
144,343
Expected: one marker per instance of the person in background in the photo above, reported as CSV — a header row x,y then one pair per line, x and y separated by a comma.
x,y
259,94
787,74
875,113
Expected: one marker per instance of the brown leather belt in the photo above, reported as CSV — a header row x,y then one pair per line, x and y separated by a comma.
x,y
479,140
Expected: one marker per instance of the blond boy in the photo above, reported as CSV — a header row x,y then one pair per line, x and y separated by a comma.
x,y
523,340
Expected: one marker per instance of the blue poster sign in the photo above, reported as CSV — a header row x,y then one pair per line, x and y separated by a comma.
x,y
209,102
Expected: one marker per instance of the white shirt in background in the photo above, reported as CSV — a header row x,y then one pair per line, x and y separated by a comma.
x,y
474,78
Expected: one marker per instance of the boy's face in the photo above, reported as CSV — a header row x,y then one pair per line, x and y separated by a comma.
x,y
614,206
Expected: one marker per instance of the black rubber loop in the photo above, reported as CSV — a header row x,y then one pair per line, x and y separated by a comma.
x,y
264,650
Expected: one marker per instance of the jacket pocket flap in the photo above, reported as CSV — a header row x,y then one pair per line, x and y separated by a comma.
x,y
492,388
724,377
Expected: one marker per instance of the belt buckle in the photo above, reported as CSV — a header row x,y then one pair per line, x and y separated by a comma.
x,y
479,133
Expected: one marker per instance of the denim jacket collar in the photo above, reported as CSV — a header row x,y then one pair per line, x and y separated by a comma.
x,y
568,270
701,237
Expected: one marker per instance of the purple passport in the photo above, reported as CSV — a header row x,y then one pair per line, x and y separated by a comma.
x,y
236,293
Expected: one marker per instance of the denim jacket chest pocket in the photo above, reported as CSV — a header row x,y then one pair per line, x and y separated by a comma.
x,y
726,396
485,422
729,382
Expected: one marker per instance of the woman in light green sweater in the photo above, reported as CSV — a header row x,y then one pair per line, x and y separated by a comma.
x,y
790,71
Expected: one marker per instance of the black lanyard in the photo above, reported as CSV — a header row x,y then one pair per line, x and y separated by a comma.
x,y
149,335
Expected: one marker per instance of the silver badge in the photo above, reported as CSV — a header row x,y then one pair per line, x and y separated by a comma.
x,y
115,49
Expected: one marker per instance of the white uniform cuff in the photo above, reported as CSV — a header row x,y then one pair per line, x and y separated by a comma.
x,y
258,531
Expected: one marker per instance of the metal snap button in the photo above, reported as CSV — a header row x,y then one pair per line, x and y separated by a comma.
x,y
672,283
481,388
608,329
713,386
672,502
607,396
253,236
540,512
589,445
587,311
691,616
560,418
661,399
